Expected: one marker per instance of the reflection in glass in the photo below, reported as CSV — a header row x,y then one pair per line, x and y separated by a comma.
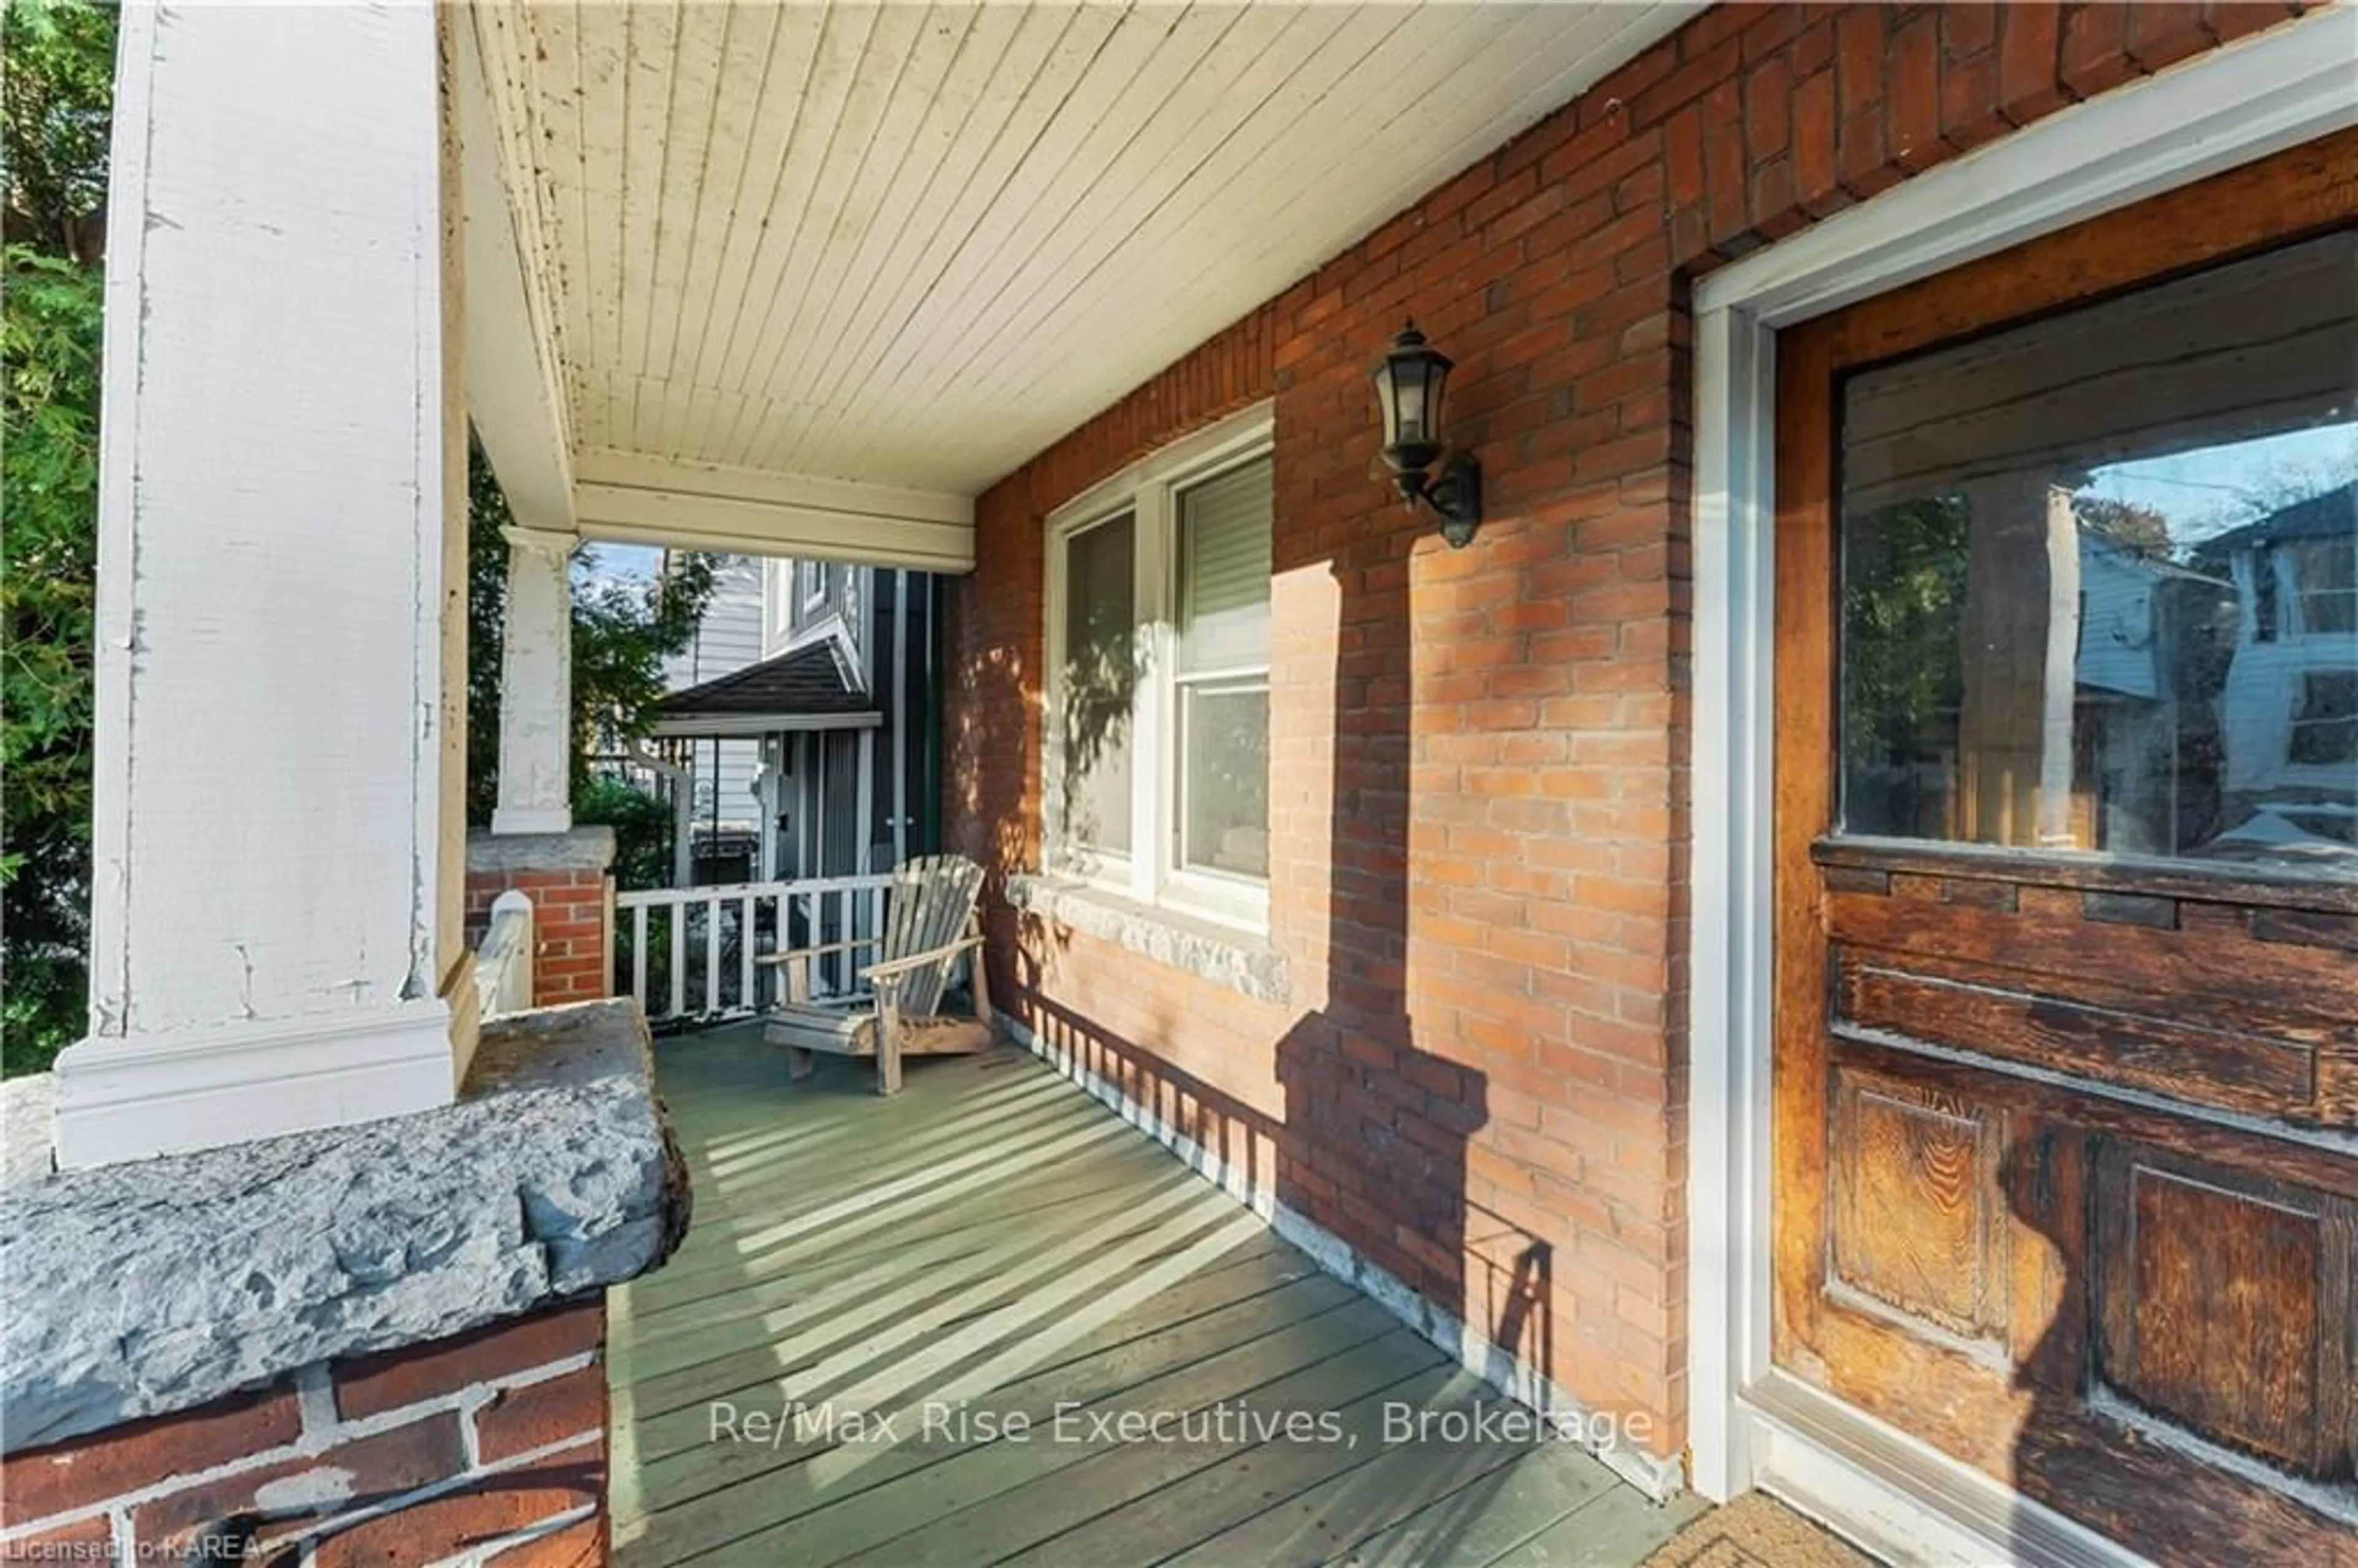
x,y
2100,575
1099,683
1224,778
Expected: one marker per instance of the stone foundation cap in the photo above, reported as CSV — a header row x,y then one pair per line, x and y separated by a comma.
x,y
135,1290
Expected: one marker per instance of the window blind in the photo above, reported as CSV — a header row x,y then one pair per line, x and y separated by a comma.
x,y
1224,570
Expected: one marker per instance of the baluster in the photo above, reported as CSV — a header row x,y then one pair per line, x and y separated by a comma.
x,y
745,954
678,958
711,957
811,937
639,954
846,959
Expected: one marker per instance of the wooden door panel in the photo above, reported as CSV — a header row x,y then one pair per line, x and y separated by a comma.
x,y
1935,1297
2223,1306
2158,1331
1955,1005
2205,968
2066,1128
1919,1228
2245,1008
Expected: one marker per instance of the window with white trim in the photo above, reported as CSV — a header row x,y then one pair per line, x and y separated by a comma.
x,y
2325,719
1158,641
2323,575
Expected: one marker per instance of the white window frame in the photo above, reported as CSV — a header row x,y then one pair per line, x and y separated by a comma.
x,y
2293,595
777,600
1149,490
2296,693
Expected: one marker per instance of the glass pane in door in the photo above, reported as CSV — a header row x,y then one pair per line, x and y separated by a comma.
x,y
2100,575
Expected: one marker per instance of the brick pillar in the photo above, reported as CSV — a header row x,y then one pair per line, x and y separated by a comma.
x,y
491,1440
566,876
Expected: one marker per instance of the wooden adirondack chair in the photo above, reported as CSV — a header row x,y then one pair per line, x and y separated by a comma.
x,y
929,921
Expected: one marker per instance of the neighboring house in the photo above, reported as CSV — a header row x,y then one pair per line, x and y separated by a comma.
x,y
724,811
2120,595
2146,672
2216,702
2291,696
808,728
2252,651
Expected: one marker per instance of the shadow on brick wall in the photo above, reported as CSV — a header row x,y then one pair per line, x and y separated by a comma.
x,y
1371,1144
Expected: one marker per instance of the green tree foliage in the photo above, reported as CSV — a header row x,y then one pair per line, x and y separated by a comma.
x,y
54,118
643,830
49,486
1903,591
624,630
487,605
2138,529
56,77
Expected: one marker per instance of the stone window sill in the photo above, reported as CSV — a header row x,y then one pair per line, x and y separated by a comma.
x,y
1221,955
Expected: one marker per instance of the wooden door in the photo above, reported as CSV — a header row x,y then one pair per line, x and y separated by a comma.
x,y
2067,865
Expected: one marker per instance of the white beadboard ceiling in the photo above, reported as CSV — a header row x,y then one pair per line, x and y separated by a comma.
x,y
912,245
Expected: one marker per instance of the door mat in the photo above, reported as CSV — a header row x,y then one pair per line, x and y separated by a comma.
x,y
1756,1531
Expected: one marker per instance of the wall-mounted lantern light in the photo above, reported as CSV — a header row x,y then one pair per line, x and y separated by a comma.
x,y
1410,380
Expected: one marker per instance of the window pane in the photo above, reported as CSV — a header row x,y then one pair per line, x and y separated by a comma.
x,y
2100,575
1099,683
1224,779
2325,724
2325,574
1224,566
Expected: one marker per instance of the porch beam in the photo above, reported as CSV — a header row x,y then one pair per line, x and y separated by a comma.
x,y
641,499
516,361
537,686
275,939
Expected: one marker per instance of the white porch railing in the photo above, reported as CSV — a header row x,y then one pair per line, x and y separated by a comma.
x,y
687,954
503,964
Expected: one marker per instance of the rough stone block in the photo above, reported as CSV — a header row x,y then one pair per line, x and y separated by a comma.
x,y
134,1290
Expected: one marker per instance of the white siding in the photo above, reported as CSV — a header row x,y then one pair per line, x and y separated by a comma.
x,y
850,603
729,639
2117,623
2264,687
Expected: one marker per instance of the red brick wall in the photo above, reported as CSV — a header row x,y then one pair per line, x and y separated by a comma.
x,y
1478,763
572,949
493,1437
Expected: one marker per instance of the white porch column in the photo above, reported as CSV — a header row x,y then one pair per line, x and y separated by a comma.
x,y
537,686
274,903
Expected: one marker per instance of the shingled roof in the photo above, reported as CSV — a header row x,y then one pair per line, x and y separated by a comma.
x,y
804,684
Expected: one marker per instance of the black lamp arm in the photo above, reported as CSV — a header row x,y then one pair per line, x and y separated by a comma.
x,y
1452,489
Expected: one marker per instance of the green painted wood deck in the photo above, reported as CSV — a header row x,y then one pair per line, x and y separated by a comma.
x,y
993,1246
